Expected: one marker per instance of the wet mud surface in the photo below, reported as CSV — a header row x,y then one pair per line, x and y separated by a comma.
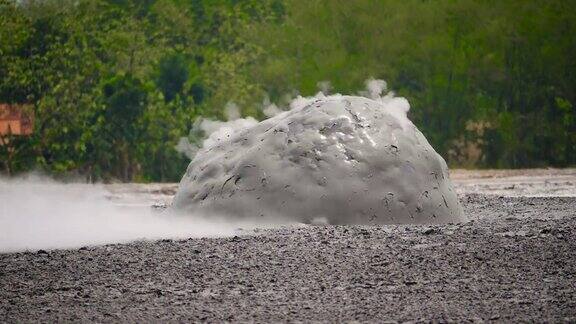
x,y
515,261
331,160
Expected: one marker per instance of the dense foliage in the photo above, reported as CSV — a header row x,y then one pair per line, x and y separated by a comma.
x,y
114,84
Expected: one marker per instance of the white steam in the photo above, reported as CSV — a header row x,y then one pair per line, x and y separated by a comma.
x,y
270,108
325,87
37,213
232,111
185,147
375,88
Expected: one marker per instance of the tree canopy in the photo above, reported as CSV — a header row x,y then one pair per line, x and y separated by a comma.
x,y
114,84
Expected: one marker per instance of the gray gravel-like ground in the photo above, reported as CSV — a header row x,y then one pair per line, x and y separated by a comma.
x,y
516,261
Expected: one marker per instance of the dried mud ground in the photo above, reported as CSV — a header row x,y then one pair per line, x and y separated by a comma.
x,y
515,261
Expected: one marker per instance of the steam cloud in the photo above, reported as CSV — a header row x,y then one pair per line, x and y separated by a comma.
x,y
38,213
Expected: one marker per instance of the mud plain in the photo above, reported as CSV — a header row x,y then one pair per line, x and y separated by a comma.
x,y
514,261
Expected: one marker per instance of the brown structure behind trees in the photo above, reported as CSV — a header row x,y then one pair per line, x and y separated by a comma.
x,y
15,120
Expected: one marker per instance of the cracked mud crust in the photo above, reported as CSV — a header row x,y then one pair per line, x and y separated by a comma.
x,y
515,261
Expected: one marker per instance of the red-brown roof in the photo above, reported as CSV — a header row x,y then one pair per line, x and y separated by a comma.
x,y
15,120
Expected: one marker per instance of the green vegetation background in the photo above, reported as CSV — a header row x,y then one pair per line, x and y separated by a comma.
x,y
114,84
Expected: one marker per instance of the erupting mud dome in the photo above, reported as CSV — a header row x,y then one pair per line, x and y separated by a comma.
x,y
330,159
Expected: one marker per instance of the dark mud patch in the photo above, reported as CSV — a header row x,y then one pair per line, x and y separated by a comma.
x,y
516,261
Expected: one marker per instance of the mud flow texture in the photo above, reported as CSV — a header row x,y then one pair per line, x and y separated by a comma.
x,y
337,160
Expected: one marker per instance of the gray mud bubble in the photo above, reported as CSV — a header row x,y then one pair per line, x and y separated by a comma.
x,y
335,160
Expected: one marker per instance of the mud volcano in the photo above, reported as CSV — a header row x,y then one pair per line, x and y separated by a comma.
x,y
337,160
